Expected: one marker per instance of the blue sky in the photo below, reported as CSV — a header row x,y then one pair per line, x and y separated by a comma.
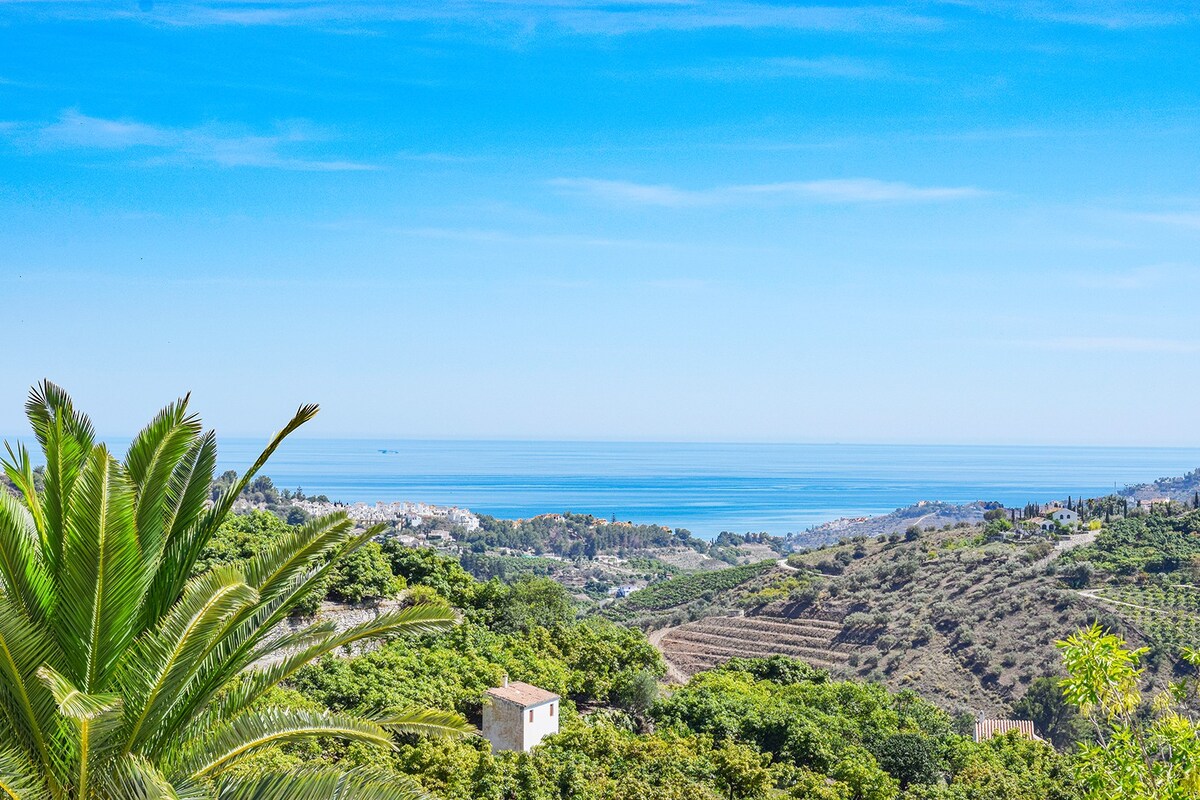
x,y
898,222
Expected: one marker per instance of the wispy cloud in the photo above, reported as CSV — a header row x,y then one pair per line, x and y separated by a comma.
x,y
604,17
1109,14
1117,344
1184,219
211,143
1121,20
610,17
783,68
1137,278
509,237
838,190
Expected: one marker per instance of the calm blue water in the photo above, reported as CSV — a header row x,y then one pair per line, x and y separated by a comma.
x,y
706,488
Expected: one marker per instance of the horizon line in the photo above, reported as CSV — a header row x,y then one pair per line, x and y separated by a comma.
x,y
299,436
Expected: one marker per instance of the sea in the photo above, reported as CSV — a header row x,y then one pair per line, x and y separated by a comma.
x,y
703,487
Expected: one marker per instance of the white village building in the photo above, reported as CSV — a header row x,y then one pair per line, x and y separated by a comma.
x,y
1065,516
516,716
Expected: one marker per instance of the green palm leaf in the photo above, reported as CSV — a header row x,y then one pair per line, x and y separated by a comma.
x,y
191,538
164,660
424,722
19,468
22,573
187,494
272,570
413,621
27,706
66,438
322,784
103,573
226,744
122,677
19,778
93,720
132,777
151,460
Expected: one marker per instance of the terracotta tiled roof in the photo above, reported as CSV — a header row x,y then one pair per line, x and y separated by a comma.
x,y
523,694
987,728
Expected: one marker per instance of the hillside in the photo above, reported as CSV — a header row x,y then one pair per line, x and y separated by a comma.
x,y
967,620
1181,489
924,514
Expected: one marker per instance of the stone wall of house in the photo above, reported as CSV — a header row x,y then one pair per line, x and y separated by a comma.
x,y
508,726
502,725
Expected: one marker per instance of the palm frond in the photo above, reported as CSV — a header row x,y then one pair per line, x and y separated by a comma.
x,y
22,573
225,502
20,778
66,437
235,649
104,574
323,784
19,468
296,551
189,485
87,738
26,705
227,657
227,743
163,660
186,499
413,621
132,777
198,535
290,642
424,722
151,460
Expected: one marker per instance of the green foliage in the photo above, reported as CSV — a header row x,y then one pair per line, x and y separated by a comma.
x,y
1005,767
594,759
686,588
240,537
577,536
1168,616
587,661
528,603
128,672
427,567
1135,756
365,574
1150,544
1053,716
742,772
812,723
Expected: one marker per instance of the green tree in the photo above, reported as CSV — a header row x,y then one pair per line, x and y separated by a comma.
x,y
365,574
1155,757
123,674
1054,717
742,772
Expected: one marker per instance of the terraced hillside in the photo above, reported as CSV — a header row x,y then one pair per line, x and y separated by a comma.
x,y
968,622
704,644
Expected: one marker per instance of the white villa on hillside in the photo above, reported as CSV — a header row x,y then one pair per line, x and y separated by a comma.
x,y
1064,516
516,716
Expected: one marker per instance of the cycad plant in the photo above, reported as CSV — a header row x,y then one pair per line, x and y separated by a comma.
x,y
122,675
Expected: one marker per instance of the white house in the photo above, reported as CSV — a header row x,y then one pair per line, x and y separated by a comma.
x,y
516,716
1064,516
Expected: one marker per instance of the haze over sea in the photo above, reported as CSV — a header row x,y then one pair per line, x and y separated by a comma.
x,y
706,488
